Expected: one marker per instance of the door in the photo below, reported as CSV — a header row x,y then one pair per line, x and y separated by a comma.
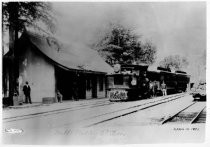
x,y
94,86
82,87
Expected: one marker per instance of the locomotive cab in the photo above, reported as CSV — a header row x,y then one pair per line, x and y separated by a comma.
x,y
123,85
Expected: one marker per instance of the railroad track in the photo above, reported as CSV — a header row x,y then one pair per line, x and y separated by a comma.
x,y
108,116
193,113
104,117
52,112
201,117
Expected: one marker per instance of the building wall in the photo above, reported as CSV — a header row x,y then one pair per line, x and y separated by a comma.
x,y
40,73
101,92
36,69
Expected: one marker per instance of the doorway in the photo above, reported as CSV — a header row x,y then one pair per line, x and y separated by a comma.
x,y
65,83
94,86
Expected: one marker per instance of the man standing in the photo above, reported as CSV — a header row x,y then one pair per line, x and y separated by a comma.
x,y
155,87
27,93
163,88
145,86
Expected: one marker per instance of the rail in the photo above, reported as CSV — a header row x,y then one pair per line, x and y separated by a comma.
x,y
193,117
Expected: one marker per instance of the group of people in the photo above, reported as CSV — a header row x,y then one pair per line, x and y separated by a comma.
x,y
154,87
151,88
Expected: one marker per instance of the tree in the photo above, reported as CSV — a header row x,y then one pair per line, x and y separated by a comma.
x,y
16,17
123,46
174,61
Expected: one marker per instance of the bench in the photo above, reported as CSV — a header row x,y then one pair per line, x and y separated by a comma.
x,y
48,100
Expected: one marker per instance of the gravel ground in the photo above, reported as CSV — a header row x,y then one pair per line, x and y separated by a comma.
x,y
141,127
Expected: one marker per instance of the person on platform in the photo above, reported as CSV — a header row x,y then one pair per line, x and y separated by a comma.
x,y
59,96
155,87
163,88
145,86
151,89
27,93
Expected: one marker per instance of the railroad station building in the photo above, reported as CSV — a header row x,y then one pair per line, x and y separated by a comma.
x,y
49,65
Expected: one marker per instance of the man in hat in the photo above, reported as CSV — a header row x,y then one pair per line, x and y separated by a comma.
x,y
27,93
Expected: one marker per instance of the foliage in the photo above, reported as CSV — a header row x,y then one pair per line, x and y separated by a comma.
x,y
123,46
23,14
174,61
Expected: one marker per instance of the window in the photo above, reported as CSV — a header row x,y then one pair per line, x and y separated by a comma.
x,y
110,81
118,80
88,84
101,83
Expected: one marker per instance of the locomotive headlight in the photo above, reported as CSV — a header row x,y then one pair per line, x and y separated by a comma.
x,y
133,82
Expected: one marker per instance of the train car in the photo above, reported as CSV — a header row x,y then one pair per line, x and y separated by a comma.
x,y
199,93
160,75
176,81
133,82
182,80
124,84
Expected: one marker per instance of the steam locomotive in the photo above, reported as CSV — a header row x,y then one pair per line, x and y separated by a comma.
x,y
135,82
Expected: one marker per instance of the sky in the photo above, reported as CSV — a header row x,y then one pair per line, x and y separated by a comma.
x,y
174,27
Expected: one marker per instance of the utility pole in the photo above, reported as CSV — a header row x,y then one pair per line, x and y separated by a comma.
x,y
13,37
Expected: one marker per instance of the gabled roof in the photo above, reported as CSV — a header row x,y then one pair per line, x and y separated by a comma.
x,y
70,56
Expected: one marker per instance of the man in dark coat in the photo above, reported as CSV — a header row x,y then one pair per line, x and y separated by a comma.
x,y
155,88
144,85
27,93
